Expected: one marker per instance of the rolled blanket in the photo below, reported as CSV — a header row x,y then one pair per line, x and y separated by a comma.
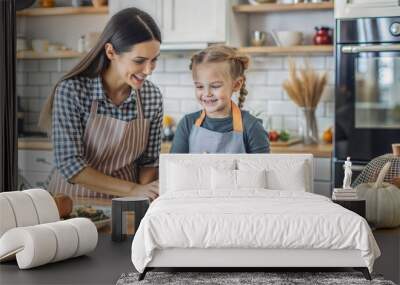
x,y
40,244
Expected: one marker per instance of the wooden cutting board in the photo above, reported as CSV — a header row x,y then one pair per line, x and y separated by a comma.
x,y
287,143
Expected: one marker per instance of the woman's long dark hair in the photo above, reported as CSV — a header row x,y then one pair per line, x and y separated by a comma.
x,y
125,29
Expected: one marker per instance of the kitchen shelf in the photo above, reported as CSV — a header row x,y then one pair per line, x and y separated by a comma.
x,y
305,49
270,8
59,11
58,54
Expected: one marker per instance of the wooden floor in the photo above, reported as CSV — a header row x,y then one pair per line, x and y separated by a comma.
x,y
110,260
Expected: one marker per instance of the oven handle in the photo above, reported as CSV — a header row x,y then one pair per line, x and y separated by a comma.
x,y
370,48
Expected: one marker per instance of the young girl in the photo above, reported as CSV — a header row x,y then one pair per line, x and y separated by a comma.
x,y
221,127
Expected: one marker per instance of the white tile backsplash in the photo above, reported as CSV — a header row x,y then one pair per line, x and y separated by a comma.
x,y
49,65
291,123
186,79
29,91
276,123
67,65
31,65
179,93
35,81
56,76
276,77
330,62
256,106
45,91
265,92
172,105
263,63
256,78
165,78
316,62
190,106
38,78
282,108
21,78
177,64
329,109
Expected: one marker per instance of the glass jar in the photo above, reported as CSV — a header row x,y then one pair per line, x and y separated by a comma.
x,y
308,126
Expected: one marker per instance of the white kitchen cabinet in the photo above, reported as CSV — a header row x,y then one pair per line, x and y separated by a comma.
x,y
194,21
153,7
35,166
191,21
322,176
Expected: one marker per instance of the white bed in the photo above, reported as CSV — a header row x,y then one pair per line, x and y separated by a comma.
x,y
268,217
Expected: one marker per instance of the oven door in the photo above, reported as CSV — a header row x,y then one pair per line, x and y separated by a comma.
x,y
367,100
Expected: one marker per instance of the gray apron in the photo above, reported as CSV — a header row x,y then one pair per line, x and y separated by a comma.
x,y
202,140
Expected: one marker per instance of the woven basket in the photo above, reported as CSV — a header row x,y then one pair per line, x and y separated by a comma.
x,y
371,171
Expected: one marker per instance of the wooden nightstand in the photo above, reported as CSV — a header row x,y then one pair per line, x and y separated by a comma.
x,y
357,206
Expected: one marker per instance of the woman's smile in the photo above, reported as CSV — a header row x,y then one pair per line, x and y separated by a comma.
x,y
138,79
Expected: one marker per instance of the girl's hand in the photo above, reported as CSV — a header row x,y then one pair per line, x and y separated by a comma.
x,y
149,190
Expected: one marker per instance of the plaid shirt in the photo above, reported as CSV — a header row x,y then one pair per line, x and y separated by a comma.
x,y
71,109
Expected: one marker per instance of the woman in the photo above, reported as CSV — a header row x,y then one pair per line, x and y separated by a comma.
x,y
106,117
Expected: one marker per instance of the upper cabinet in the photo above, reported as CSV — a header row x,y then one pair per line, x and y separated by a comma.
x,y
194,21
191,22
153,7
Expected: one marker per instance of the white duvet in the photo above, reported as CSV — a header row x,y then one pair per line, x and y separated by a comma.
x,y
250,219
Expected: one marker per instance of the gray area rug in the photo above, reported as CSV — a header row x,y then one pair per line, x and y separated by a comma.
x,y
230,278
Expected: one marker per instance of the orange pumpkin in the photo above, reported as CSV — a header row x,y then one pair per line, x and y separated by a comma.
x,y
327,136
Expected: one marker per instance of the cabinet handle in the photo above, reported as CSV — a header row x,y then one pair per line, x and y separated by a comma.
x,y
42,160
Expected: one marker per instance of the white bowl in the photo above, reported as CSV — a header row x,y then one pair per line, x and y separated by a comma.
x,y
288,38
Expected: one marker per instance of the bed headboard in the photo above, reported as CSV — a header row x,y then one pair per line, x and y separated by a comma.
x,y
207,159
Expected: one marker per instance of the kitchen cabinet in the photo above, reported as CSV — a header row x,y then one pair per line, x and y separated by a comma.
x,y
153,7
35,166
192,21
322,176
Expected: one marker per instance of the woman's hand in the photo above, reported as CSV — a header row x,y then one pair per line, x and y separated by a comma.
x,y
149,190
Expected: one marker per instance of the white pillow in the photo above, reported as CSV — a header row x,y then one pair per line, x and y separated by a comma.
x,y
188,175
237,179
251,179
282,174
223,179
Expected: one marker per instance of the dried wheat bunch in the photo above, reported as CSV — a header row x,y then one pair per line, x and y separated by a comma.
x,y
304,86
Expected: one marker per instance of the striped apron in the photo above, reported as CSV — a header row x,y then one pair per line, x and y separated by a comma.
x,y
202,140
111,146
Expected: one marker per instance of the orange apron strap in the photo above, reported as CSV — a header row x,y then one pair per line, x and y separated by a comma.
x,y
236,115
237,118
200,119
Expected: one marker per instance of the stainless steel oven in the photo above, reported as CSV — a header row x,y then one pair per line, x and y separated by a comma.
x,y
367,91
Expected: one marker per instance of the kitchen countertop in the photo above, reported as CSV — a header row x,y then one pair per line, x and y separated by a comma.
x,y
319,150
34,143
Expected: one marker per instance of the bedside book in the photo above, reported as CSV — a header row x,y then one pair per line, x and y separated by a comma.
x,y
348,194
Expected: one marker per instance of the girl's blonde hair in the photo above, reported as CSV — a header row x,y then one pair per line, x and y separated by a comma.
x,y
238,63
